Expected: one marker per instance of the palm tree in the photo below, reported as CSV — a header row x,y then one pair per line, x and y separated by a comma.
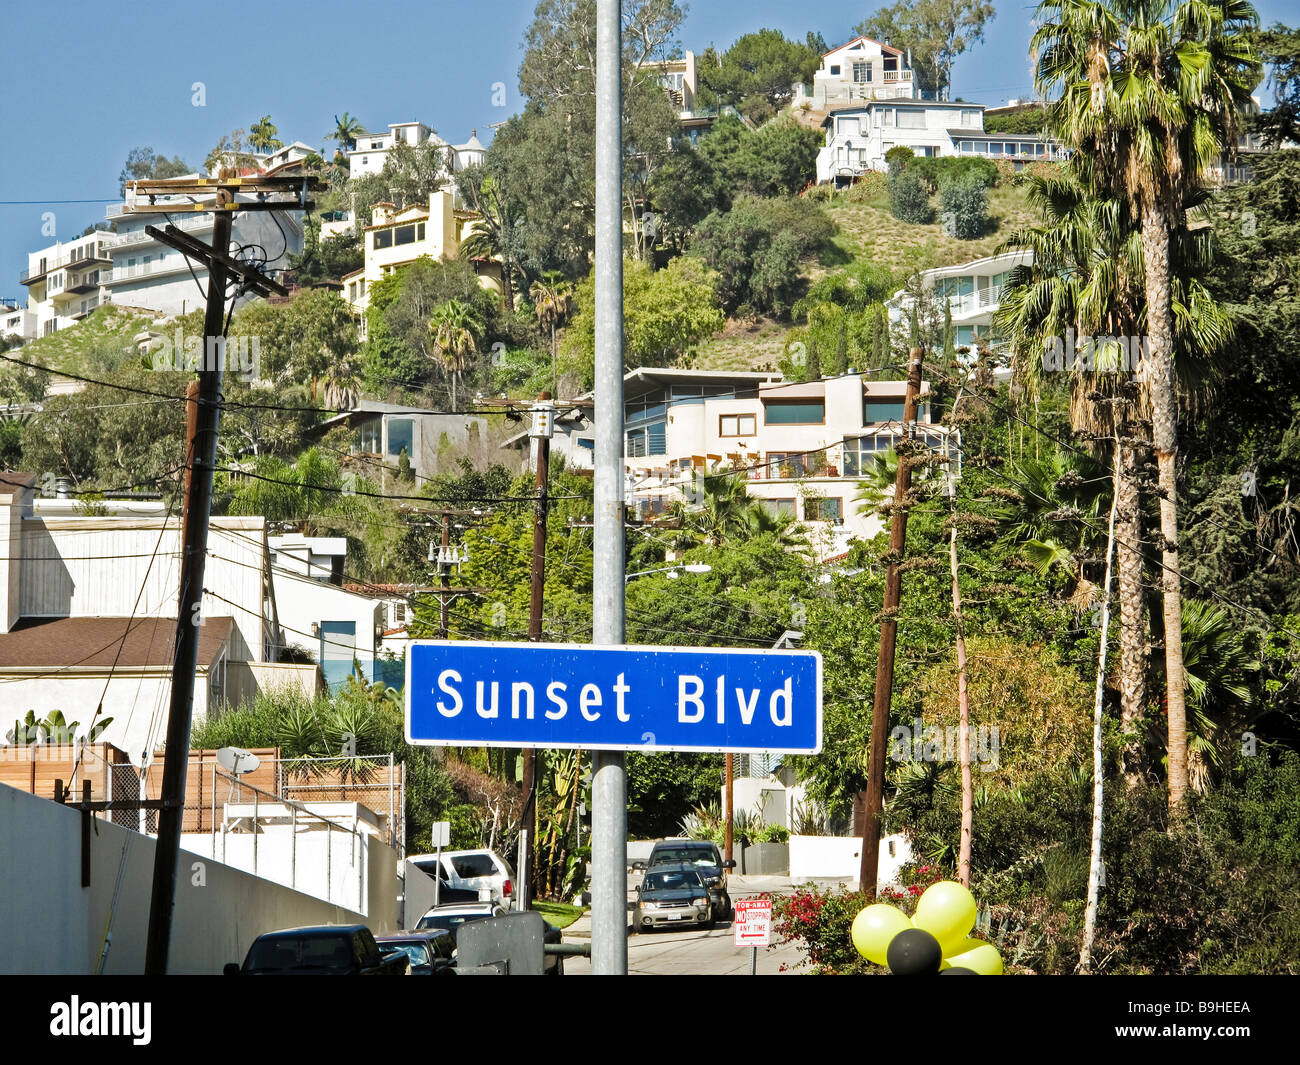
x,y
455,329
1087,275
263,135
1150,93
346,131
552,298
716,511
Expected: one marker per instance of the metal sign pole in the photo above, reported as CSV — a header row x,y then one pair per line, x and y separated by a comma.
x,y
609,783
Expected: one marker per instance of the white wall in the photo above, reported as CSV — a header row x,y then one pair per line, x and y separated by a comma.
x,y
53,925
301,601
840,858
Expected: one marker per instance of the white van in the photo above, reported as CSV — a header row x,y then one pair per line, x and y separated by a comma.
x,y
485,873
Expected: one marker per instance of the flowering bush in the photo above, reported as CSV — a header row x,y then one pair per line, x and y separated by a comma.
x,y
819,923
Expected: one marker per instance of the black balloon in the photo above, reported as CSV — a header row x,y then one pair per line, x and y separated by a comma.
x,y
958,970
914,952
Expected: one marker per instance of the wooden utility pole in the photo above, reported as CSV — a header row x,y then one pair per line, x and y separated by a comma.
x,y
542,428
203,418
874,800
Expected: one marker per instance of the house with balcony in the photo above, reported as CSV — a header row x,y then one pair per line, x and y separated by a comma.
x,y
65,282
802,447
146,273
857,72
371,151
858,137
396,238
88,614
972,291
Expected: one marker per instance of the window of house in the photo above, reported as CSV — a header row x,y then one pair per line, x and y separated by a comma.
x,y
789,464
794,412
383,238
835,71
419,231
737,424
861,72
376,145
368,436
875,411
404,235
849,127
970,119
778,506
400,434
823,509
911,119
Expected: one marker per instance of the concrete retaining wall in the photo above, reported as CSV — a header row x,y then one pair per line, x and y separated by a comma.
x,y
53,925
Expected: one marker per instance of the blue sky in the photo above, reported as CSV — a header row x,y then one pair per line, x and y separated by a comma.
x,y
93,81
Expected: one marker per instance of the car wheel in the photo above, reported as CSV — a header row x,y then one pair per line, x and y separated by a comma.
x,y
709,919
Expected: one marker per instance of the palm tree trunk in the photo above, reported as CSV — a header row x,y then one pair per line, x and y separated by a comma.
x,y
1132,640
1164,424
1098,769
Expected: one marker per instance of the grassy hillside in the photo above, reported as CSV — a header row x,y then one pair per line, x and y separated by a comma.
x,y
867,233
102,340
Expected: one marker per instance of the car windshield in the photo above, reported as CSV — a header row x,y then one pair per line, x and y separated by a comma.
x,y
301,954
702,859
416,952
449,921
674,880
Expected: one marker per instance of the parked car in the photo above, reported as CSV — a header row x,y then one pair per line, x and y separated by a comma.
x,y
672,894
475,871
450,918
319,950
707,861
429,952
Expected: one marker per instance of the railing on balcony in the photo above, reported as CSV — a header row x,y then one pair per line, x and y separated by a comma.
x,y
139,236
898,75
128,273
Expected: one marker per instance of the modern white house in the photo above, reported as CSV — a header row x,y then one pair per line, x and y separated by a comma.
x,y
858,137
16,321
371,151
123,264
396,238
858,71
88,614
972,291
802,448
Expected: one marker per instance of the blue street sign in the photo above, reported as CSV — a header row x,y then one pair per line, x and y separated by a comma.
x,y
613,698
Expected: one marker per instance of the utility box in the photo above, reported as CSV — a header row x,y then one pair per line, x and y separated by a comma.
x,y
512,944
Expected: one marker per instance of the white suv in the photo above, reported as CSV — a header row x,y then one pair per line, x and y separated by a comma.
x,y
482,872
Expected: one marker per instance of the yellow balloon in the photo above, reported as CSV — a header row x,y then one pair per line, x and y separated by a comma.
x,y
947,911
983,958
874,928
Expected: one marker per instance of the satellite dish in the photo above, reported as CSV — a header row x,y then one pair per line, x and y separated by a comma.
x,y
236,760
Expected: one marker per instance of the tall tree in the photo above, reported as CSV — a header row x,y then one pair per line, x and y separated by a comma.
x,y
757,74
936,32
263,137
346,131
1279,48
1149,94
141,165
455,329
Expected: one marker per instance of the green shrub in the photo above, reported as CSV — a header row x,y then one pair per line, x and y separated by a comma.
x,y
908,201
963,206
899,157
936,171
819,922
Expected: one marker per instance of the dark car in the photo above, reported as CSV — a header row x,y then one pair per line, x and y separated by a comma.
x,y
428,951
707,861
319,950
450,918
672,894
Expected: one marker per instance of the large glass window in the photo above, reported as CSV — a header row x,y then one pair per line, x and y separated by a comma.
x,y
400,434
882,410
404,235
383,238
794,412
778,506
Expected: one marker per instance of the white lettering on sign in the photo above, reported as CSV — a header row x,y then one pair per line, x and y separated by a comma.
x,y
551,689
694,697
589,697
455,708
485,711
786,694
620,690
515,689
